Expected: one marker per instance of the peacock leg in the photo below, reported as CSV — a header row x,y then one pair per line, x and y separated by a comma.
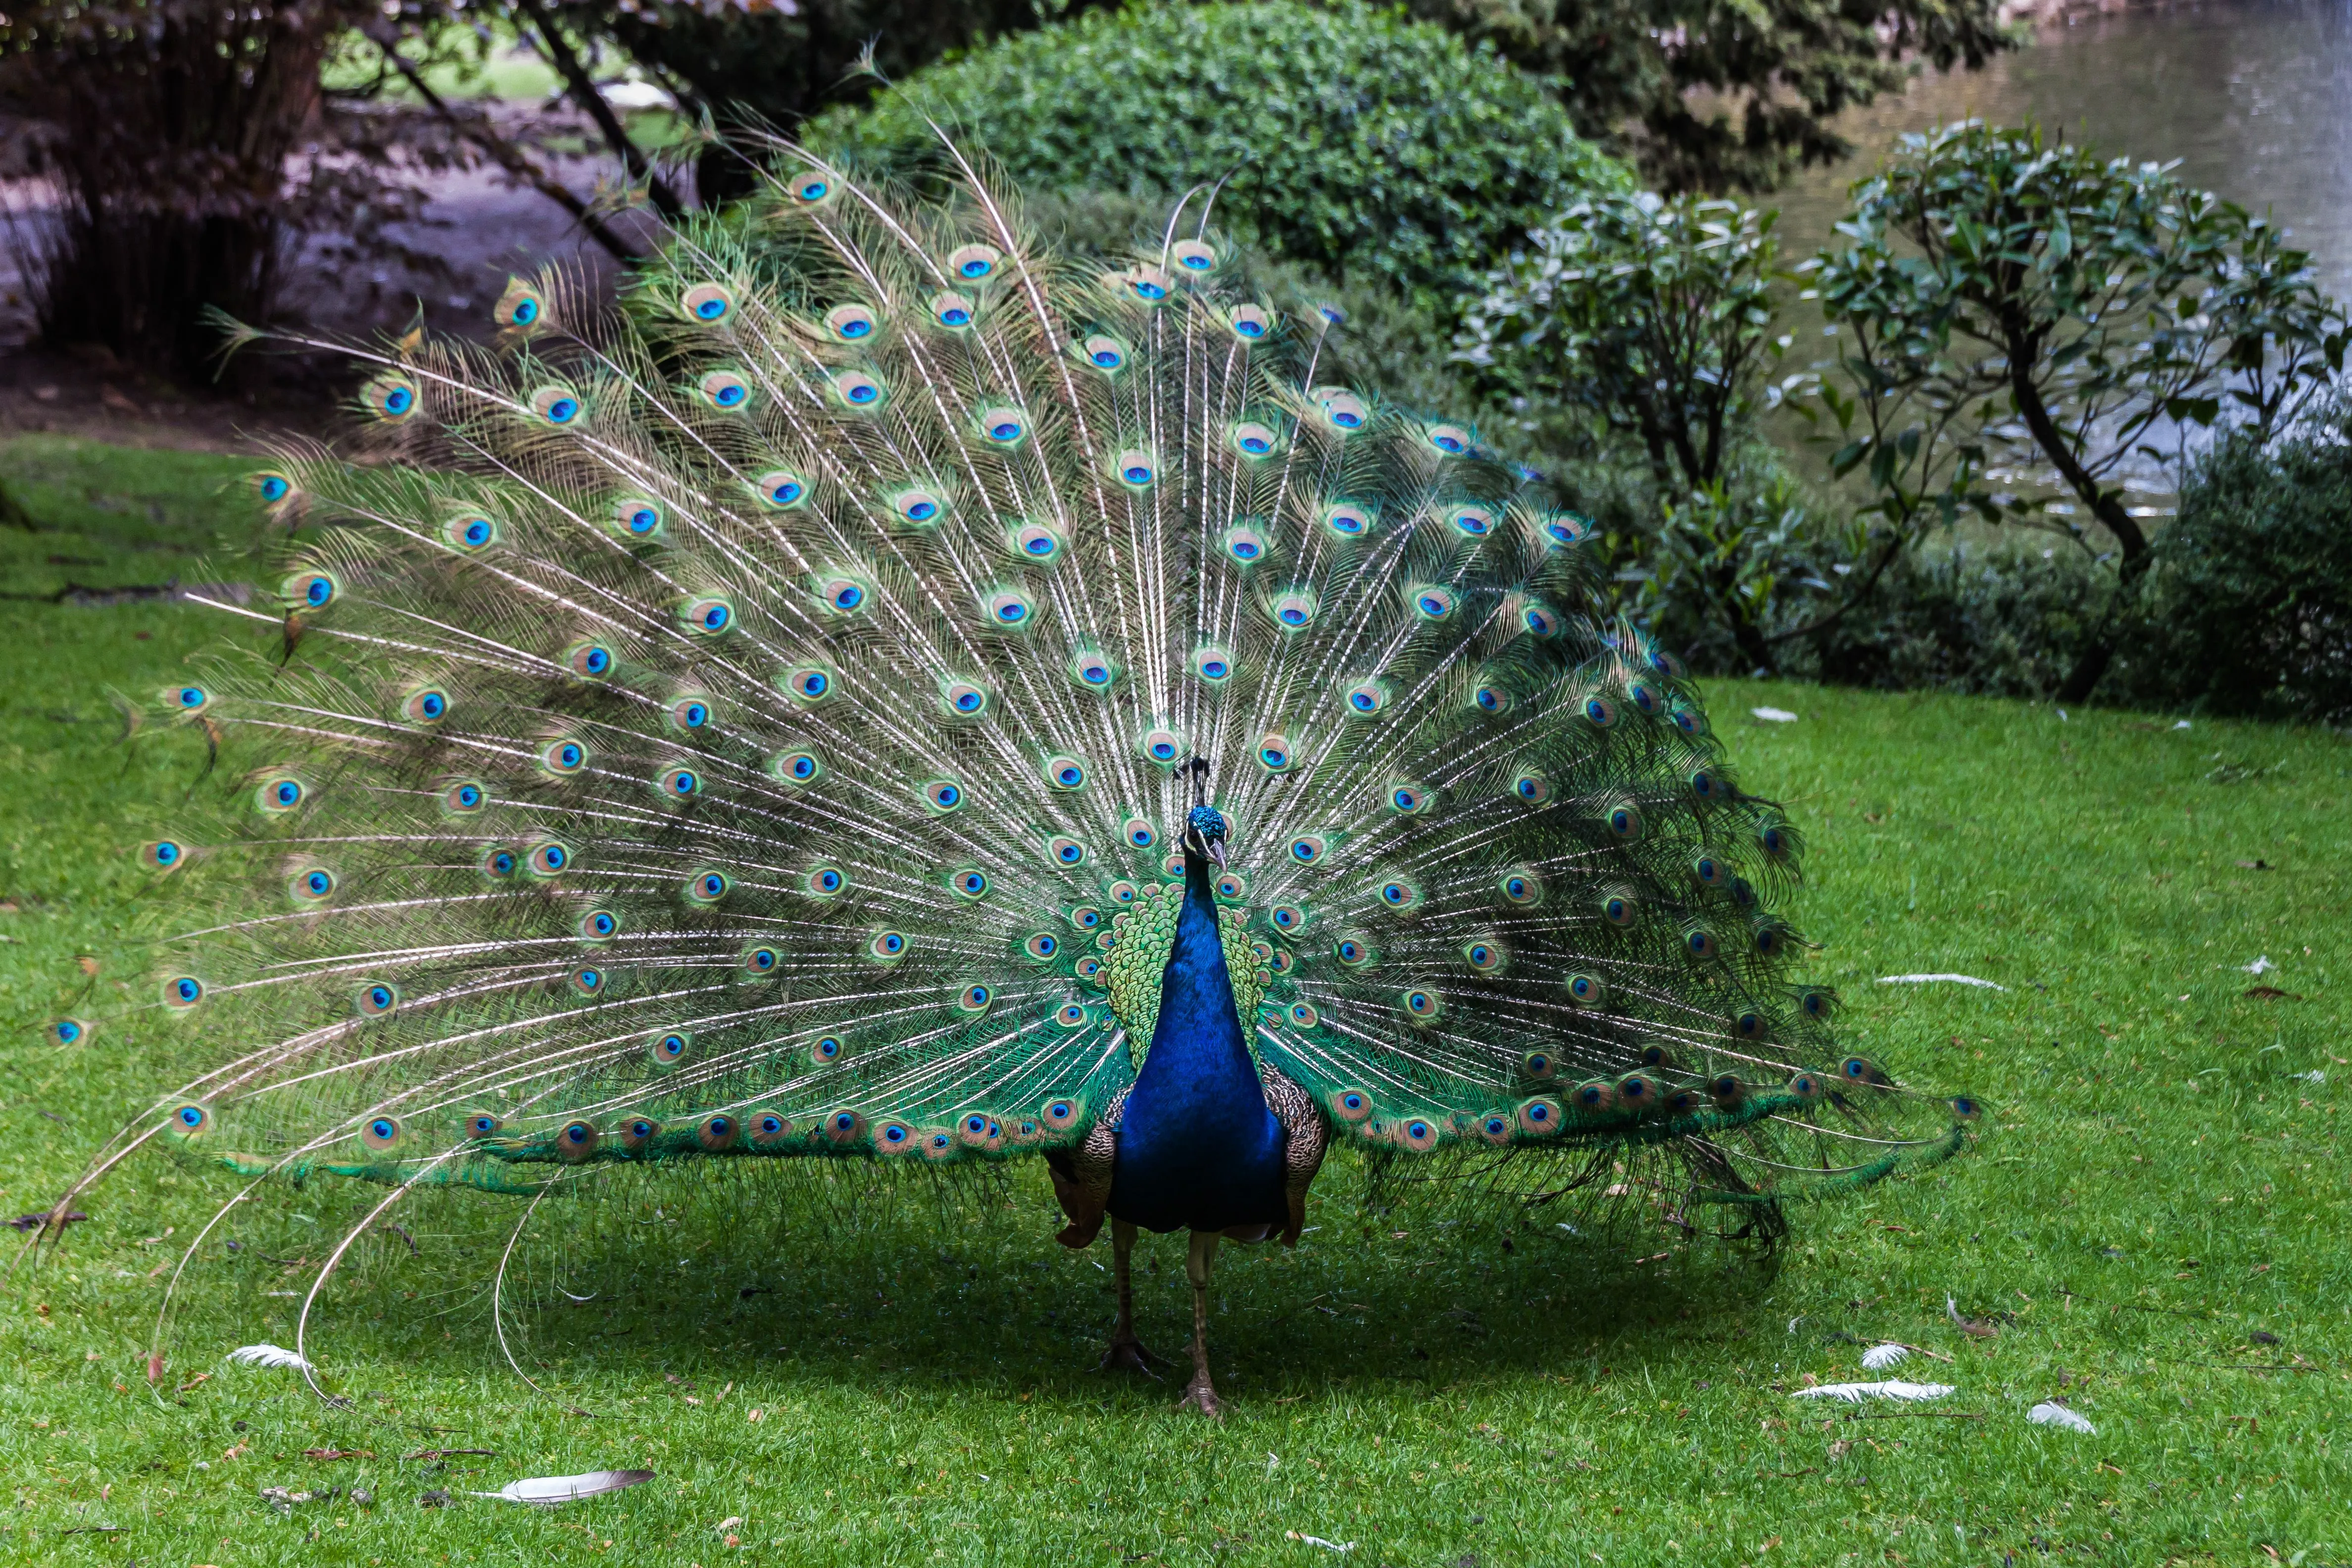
x,y
1125,1350
1198,1394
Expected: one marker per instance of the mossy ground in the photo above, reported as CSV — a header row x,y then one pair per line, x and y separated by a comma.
x,y
861,1378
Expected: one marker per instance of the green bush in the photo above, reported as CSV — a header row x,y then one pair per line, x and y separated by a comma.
x,y
2248,610
1964,618
1371,148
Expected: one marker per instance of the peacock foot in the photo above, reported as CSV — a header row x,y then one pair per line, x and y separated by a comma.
x,y
1127,1354
1200,1396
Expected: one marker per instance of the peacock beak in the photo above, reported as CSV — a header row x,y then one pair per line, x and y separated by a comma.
x,y
1217,852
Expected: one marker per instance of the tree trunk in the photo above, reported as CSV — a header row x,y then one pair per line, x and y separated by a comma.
x,y
2107,506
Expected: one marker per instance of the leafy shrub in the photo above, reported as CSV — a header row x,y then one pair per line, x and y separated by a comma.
x,y
1962,618
2248,610
1652,315
1365,146
2011,303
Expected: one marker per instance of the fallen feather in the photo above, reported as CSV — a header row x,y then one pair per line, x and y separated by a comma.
x,y
2259,967
2315,1076
1774,715
1855,1392
1879,1358
2182,726
2047,1414
635,94
1930,979
1318,1541
270,1356
548,1490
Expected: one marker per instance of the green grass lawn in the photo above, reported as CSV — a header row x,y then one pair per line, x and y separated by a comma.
x,y
855,1376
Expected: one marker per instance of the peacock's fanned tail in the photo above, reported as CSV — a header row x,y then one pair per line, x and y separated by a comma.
x,y
748,724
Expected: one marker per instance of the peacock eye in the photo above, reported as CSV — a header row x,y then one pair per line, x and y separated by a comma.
x,y
1255,439
1345,411
850,323
706,303
974,262
556,404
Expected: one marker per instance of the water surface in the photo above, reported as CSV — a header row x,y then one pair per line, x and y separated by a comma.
x,y
2254,98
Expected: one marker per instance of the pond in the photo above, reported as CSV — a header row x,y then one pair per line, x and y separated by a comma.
x,y
2254,98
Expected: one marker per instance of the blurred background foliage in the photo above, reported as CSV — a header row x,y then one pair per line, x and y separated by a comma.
x,y
1529,214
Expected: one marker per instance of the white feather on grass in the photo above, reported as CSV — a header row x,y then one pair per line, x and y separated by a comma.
x,y
270,1356
548,1490
1879,1358
1855,1392
1943,979
2047,1414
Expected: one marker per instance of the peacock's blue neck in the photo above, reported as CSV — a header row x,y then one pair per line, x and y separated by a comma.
x,y
1197,1146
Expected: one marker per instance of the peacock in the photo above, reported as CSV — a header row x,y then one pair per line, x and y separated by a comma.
x,y
894,690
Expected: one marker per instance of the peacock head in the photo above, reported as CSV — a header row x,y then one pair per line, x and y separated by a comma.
x,y
1204,834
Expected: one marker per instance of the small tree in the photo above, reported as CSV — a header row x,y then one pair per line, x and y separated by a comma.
x,y
2008,298
1653,318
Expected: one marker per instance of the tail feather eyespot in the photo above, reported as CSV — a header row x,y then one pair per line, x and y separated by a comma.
x,y
520,307
852,324
706,303
390,397
556,405
1594,1097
